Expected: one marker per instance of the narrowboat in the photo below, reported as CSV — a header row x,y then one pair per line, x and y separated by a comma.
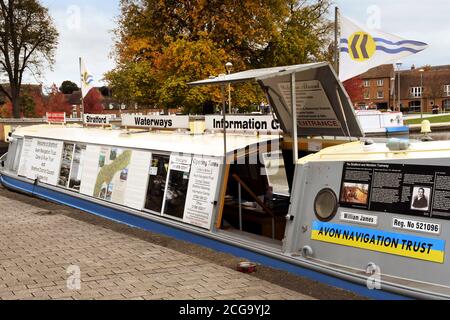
x,y
300,189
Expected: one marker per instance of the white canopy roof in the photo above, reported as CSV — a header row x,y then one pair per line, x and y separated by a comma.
x,y
204,144
323,107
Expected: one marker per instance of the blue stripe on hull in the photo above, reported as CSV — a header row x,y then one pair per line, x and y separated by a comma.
x,y
148,225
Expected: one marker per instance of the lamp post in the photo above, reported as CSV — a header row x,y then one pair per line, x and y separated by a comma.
x,y
229,67
392,94
398,64
421,93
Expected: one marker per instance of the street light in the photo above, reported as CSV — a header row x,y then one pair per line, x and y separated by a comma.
x,y
392,93
398,64
229,67
421,92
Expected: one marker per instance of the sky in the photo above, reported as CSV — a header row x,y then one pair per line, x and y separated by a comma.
x,y
85,28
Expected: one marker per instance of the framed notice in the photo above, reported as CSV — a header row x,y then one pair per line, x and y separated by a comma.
x,y
201,192
418,190
44,161
314,109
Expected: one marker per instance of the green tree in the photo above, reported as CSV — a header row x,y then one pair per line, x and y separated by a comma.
x,y
28,38
68,87
28,106
305,36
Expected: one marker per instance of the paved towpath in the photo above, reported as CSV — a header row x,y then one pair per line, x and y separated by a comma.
x,y
42,245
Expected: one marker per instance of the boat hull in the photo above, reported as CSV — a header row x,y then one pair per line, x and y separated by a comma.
x,y
202,238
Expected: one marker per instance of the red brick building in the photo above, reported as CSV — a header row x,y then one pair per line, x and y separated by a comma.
x,y
424,89
377,88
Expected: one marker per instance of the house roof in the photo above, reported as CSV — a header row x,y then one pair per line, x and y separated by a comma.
x,y
383,71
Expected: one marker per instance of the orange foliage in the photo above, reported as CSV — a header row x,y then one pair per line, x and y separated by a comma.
x,y
93,102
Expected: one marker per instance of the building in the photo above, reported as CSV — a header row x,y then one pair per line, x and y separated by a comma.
x,y
428,86
377,88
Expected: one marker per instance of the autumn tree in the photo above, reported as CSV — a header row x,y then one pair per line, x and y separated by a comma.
x,y
93,102
57,102
163,45
354,88
28,40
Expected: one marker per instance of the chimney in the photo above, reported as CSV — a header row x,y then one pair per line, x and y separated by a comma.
x,y
413,67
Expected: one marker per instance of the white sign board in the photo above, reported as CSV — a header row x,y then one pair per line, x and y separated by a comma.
x,y
97,119
44,161
255,123
417,226
202,191
359,218
314,110
157,122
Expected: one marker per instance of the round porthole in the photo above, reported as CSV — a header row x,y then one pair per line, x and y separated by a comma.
x,y
325,205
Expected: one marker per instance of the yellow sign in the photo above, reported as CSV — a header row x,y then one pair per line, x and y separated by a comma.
x,y
410,246
361,46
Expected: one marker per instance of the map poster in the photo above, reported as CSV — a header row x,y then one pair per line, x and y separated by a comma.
x,y
202,191
112,176
45,161
417,190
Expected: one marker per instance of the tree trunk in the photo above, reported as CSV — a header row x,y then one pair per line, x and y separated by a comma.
x,y
15,104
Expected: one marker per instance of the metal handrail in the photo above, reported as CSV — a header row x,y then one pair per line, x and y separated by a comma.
x,y
258,201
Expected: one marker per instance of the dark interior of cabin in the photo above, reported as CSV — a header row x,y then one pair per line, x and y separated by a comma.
x,y
252,203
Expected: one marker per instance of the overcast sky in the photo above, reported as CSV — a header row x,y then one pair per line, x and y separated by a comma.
x,y
85,30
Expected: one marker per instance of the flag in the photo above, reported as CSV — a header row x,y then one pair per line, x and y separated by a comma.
x,y
362,49
87,79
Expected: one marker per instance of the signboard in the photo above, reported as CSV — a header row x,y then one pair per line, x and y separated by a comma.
x,y
418,190
353,217
157,122
97,119
44,161
255,123
314,109
56,117
417,226
377,240
201,193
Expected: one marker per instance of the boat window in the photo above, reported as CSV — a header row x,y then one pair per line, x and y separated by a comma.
x,y
276,172
77,167
13,157
66,164
15,166
157,182
177,186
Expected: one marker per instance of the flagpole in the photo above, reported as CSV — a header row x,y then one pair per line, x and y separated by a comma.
x,y
82,100
336,38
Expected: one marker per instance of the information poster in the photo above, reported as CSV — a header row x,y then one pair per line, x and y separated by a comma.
x,y
418,190
105,173
44,161
314,110
202,191
112,176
